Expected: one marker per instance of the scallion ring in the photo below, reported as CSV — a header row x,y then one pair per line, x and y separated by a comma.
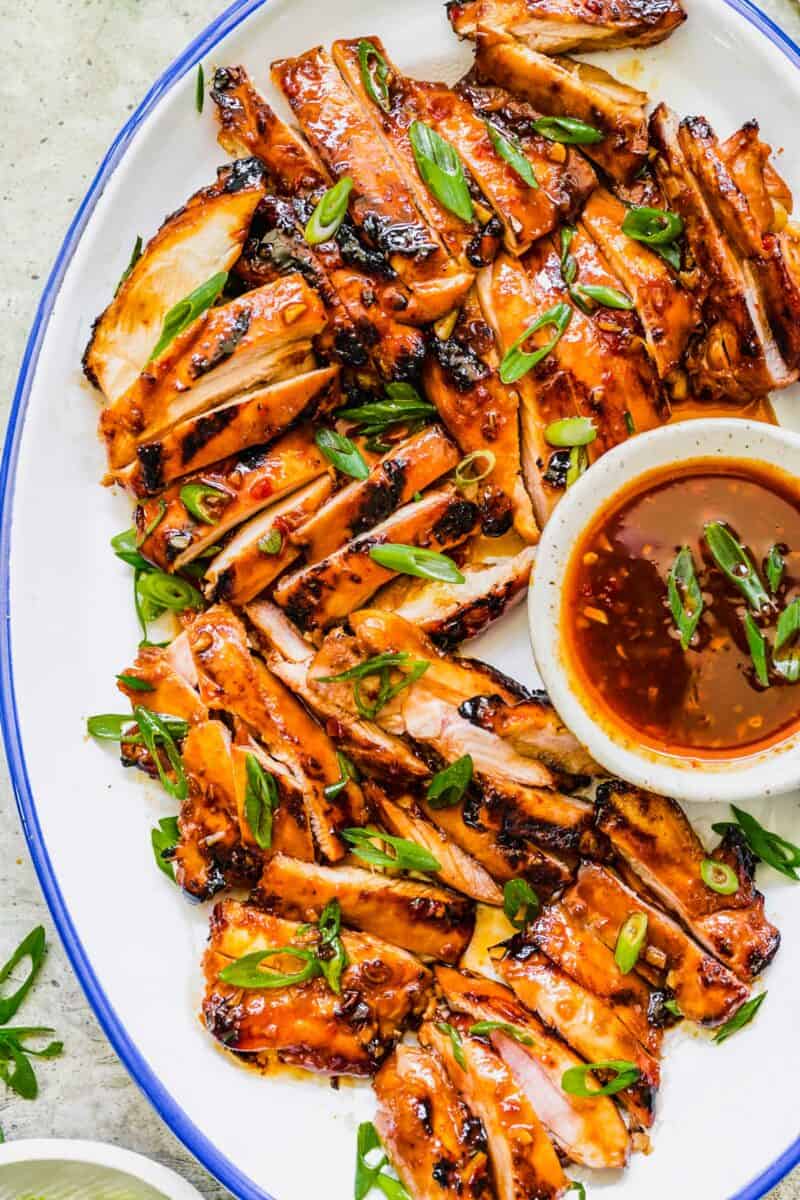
x,y
204,502
571,431
721,878
327,217
653,226
168,591
575,1081
374,77
470,471
630,941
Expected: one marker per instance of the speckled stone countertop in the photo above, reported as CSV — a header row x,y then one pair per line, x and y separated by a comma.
x,y
73,71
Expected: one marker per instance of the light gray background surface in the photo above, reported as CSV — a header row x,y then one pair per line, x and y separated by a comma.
x,y
72,72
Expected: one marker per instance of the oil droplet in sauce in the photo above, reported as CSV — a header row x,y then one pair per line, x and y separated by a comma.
x,y
622,642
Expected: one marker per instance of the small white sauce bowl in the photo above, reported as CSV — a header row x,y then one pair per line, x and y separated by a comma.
x,y
770,771
76,1170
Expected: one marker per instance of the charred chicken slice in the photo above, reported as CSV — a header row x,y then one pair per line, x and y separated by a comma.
x,y
202,238
262,336
435,1144
560,26
533,728
420,917
308,1025
163,688
584,1020
564,87
382,205
652,835
705,990
588,1131
326,592
524,1164
246,484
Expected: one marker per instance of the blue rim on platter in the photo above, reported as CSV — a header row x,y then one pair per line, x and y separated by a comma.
x,y
200,1146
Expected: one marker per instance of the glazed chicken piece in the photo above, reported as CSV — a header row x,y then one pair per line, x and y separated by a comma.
x,y
705,990
394,480
289,657
532,727
247,483
584,1020
482,414
564,87
652,835
570,943
668,312
560,26
587,1131
233,680
260,550
435,1144
524,1163
450,613
202,238
598,369
323,593
381,203
253,419
308,1025
524,213
167,689
457,868
263,336
739,358
420,917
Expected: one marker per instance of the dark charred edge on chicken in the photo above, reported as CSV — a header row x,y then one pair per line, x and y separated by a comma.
x,y
473,618
482,711
734,851
485,246
457,522
224,867
460,363
500,678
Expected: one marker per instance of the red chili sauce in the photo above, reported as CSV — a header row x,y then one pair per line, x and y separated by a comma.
x,y
622,639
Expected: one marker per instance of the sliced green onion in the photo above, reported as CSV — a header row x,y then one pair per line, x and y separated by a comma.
x,y
271,543
721,878
124,546
441,170
672,1007
738,1021
169,591
774,567
260,801
414,560
342,453
520,902
575,1081
757,645
630,424
577,1186
155,733
135,684
685,596
346,772
34,947
511,151
331,954
484,1028
571,431
469,470
374,79
110,727
408,856
164,839
569,263
136,254
327,217
630,941
246,972
455,1042
517,362
204,502
653,226
578,464
200,88
402,404
608,297
771,848
568,130
786,652
186,311
373,1170
380,665
736,564
448,786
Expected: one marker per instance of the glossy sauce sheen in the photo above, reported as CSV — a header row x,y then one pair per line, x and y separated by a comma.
x,y
704,701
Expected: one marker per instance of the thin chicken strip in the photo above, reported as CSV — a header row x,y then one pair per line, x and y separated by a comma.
x,y
561,26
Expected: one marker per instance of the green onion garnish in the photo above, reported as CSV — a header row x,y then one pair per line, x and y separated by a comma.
x,y
575,1080
124,546
200,88
402,405
186,311
630,941
33,947
609,297
685,596
374,77
152,525
630,424
327,217
736,564
568,130
511,151
441,170
571,431
260,801
757,645
774,567
771,848
743,1017
347,771
578,464
520,902
271,543
447,787
474,467
455,1042
786,652
719,877
381,665
373,1171
204,502
246,972
484,1028
111,727
136,254
656,228
156,736
415,560
135,684
331,954
168,591
342,453
164,838
408,856
517,362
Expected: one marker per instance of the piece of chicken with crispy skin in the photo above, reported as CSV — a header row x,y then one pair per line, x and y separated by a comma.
x,y
563,26
532,727
434,1143
309,1025
201,239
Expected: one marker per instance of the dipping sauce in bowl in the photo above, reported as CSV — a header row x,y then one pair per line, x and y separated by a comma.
x,y
679,611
